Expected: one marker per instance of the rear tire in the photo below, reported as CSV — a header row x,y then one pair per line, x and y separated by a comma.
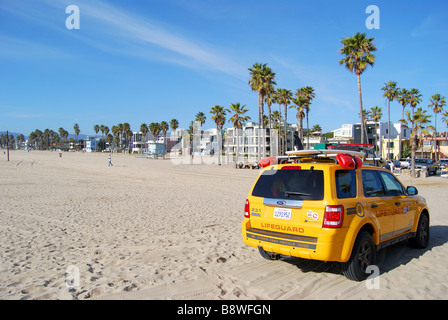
x,y
363,255
421,239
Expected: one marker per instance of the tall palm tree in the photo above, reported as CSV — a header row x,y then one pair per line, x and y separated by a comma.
x,y
421,119
164,128
445,118
154,128
237,119
174,124
284,97
116,132
200,117
414,99
299,103
102,130
128,133
376,114
219,116
144,131
96,128
261,80
358,55
390,93
120,134
276,119
270,99
437,104
403,99
77,131
309,95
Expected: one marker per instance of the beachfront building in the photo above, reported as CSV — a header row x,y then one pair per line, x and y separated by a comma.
x,y
270,140
247,141
92,144
431,145
377,135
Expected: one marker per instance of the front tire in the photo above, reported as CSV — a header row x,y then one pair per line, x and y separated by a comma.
x,y
363,255
421,239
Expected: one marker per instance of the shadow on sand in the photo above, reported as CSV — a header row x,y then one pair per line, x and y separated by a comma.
x,y
388,258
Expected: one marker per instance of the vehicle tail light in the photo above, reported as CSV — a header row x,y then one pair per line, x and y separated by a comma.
x,y
247,209
333,216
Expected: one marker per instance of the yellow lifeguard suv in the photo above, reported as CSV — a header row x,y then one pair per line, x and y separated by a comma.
x,y
332,205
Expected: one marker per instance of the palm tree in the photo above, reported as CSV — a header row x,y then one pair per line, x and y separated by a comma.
x,y
261,80
358,55
308,94
376,113
200,117
284,97
390,93
300,103
445,118
403,99
144,131
174,124
96,128
120,134
238,119
164,128
421,119
154,128
116,132
437,104
276,119
219,116
77,131
414,99
102,130
127,131
269,99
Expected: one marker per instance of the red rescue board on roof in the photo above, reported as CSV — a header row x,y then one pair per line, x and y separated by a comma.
x,y
268,162
348,161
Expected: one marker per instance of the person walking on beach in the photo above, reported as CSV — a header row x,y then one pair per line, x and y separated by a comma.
x,y
110,161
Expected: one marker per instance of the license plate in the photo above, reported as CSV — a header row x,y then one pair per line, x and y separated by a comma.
x,y
282,213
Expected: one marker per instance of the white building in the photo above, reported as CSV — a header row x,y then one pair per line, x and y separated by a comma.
x,y
377,134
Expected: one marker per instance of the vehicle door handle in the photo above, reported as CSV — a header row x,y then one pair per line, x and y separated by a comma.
x,y
397,203
374,206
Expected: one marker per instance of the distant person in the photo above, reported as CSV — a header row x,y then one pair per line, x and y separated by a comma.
x,y
110,161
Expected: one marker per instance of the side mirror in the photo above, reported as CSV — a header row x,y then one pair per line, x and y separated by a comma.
x,y
412,191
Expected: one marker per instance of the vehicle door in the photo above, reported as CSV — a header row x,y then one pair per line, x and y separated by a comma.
x,y
402,206
377,203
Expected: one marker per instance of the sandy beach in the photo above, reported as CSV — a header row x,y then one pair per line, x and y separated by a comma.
x,y
73,227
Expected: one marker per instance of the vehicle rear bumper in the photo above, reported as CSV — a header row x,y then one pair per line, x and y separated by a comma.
x,y
325,247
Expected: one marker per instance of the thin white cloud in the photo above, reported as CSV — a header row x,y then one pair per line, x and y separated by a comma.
x,y
140,37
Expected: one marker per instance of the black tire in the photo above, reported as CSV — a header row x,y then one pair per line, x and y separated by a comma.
x,y
363,255
421,239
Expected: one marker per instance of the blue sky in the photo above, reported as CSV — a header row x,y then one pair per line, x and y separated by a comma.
x,y
148,61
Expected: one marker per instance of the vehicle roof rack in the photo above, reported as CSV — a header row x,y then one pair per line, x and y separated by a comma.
x,y
363,151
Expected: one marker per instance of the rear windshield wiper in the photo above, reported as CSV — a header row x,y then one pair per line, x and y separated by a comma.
x,y
295,193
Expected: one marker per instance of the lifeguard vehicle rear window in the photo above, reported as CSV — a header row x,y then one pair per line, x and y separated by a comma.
x,y
290,184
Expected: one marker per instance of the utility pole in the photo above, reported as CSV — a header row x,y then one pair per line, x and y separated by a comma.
x,y
7,143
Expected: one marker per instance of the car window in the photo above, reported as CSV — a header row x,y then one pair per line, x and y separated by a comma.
x,y
291,184
346,184
392,185
371,183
